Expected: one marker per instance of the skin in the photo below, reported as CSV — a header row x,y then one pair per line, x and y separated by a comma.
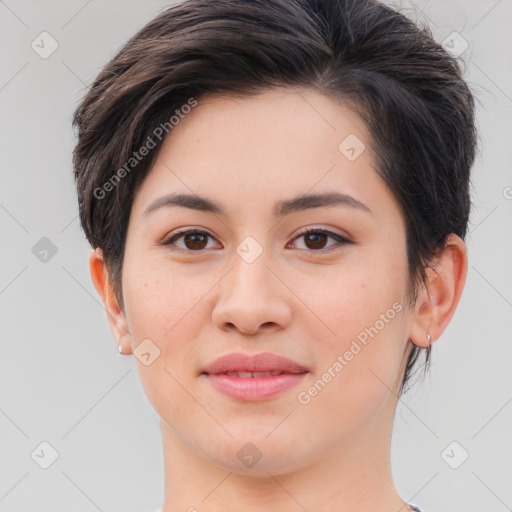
x,y
295,300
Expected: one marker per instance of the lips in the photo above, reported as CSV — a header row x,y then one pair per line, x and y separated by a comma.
x,y
249,375
241,365
251,378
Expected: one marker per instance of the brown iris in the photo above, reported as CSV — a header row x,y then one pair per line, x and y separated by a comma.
x,y
317,238
195,240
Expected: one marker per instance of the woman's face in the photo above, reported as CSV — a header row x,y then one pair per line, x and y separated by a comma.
x,y
250,282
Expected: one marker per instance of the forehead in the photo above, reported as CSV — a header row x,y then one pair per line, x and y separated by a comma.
x,y
278,143
298,120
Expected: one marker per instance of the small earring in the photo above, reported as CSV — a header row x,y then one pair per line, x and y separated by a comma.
x,y
428,338
120,348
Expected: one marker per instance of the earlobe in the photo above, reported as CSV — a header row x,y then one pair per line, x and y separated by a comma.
x,y
116,318
438,301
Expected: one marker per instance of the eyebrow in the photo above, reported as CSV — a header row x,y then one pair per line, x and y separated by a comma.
x,y
281,208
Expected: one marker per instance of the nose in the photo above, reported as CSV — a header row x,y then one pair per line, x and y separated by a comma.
x,y
251,299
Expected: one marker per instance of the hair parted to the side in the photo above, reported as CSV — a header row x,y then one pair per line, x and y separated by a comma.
x,y
407,89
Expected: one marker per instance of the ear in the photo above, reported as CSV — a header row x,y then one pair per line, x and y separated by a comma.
x,y
436,303
115,316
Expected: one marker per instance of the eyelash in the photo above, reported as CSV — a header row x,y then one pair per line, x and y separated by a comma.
x,y
340,239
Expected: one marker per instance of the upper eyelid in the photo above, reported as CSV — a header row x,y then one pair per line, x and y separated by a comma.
x,y
304,231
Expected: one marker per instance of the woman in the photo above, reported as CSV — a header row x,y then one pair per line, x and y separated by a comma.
x,y
277,195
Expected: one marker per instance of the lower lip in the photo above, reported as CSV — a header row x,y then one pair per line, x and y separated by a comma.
x,y
255,388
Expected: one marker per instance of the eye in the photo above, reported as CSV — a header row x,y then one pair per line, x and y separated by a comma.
x,y
196,240
193,239
315,239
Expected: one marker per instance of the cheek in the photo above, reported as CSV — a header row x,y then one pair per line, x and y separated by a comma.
x,y
361,300
160,300
358,366
364,305
167,307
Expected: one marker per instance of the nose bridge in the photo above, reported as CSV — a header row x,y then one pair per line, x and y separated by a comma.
x,y
249,296
250,273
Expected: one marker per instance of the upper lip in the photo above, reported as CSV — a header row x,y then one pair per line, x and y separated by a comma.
x,y
256,363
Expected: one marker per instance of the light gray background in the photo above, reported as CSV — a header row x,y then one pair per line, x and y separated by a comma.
x,y
62,379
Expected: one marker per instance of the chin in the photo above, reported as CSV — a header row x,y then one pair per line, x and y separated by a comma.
x,y
257,455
